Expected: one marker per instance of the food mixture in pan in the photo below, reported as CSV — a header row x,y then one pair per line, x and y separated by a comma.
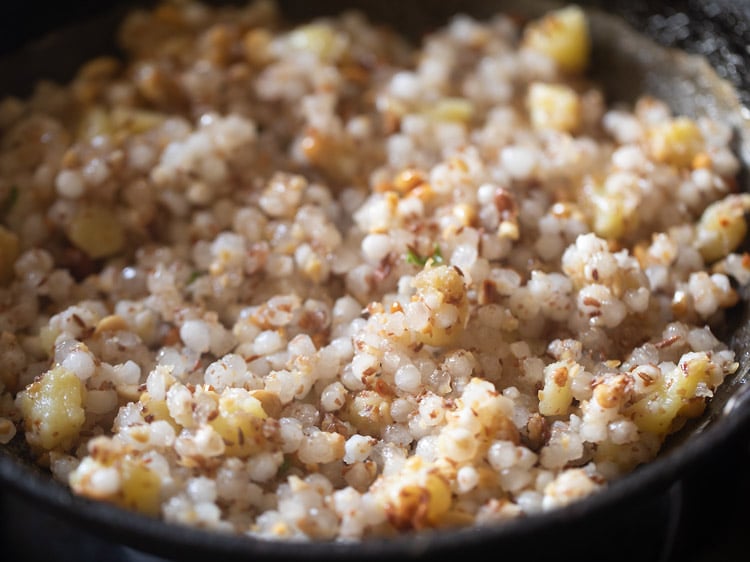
x,y
315,282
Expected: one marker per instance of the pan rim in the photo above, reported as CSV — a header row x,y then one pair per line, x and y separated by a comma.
x,y
143,532
654,476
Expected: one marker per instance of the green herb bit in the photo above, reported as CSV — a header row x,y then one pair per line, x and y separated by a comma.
x,y
413,257
11,200
286,464
437,255
195,275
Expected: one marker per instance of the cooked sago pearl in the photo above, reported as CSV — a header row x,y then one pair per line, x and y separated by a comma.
x,y
81,363
196,335
467,478
201,489
357,448
333,397
502,454
263,466
518,161
431,410
105,481
457,444
101,401
408,378
290,432
128,372
69,184
375,247
267,342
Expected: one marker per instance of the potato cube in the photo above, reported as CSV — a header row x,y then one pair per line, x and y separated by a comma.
x,y
320,39
442,292
554,106
52,410
457,110
556,396
97,232
240,423
675,142
722,227
673,396
417,497
141,487
562,35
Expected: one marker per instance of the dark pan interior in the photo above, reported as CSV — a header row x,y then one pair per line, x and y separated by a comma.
x,y
626,64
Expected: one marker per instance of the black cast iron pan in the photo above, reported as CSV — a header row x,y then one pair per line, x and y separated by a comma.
x,y
626,64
